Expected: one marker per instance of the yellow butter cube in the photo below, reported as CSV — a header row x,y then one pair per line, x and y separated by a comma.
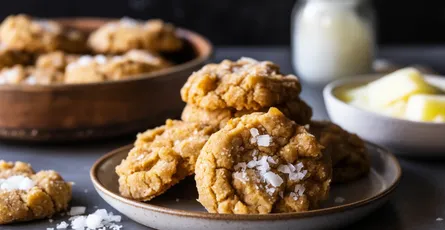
x,y
353,94
397,86
426,108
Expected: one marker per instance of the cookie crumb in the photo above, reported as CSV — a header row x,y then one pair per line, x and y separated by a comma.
x,y
339,200
264,140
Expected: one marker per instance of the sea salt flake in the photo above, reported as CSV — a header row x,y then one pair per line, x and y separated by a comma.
x,y
49,228
293,195
16,182
299,189
339,200
262,165
273,179
50,220
79,223
77,210
439,219
94,221
264,140
254,132
271,160
62,225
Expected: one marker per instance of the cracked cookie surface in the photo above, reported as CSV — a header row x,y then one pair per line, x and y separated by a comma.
x,y
39,195
123,35
350,159
296,110
245,84
161,158
262,163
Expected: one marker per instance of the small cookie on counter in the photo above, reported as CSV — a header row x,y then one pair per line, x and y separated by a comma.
x,y
19,74
296,110
88,69
161,158
246,84
262,163
127,34
23,33
350,160
25,195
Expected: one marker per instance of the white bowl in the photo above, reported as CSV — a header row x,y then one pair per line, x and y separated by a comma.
x,y
403,137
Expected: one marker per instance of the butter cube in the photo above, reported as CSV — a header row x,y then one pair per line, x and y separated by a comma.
x,y
426,108
397,86
349,95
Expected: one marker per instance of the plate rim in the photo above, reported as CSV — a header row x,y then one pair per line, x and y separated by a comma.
x,y
246,217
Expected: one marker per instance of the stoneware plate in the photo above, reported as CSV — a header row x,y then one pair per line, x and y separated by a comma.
x,y
61,112
403,137
178,208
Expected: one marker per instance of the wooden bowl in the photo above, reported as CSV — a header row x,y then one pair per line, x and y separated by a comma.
x,y
62,112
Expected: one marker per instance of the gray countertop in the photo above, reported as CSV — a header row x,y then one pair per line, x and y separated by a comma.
x,y
418,201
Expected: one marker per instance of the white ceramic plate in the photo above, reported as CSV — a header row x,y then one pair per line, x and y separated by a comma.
x,y
178,208
401,136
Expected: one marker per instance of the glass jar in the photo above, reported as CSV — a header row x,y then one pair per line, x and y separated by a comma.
x,y
332,39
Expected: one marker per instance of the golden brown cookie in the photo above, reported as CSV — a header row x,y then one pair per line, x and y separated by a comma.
x,y
245,84
350,159
297,111
23,33
57,60
161,158
29,75
262,163
127,34
26,196
98,68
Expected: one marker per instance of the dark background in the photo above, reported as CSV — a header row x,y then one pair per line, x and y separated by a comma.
x,y
246,22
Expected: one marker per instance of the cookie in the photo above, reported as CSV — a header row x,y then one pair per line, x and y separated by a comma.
x,y
350,159
161,158
25,195
127,34
57,60
262,163
23,33
88,69
19,74
245,84
297,111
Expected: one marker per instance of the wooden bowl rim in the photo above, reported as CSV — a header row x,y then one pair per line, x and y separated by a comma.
x,y
200,43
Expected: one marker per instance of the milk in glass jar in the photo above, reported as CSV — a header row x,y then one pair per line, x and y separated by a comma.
x,y
332,39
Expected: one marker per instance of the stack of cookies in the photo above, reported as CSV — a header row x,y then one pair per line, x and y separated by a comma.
x,y
219,92
248,137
